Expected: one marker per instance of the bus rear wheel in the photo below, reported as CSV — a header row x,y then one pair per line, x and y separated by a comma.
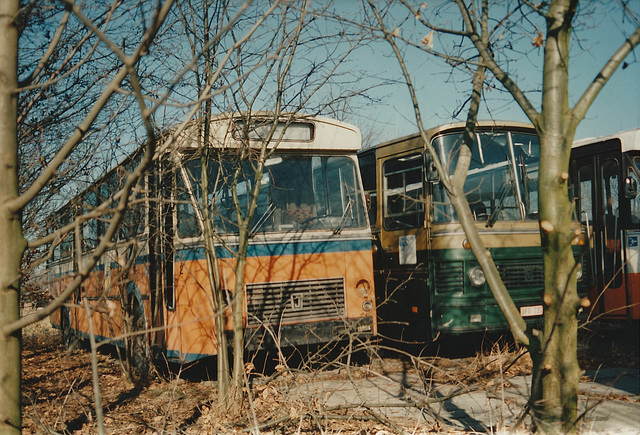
x,y
69,340
139,352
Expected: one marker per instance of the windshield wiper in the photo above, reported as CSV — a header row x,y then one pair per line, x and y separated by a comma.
x,y
525,184
267,214
507,187
343,218
517,191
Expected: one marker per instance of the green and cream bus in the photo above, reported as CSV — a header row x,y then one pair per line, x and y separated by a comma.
x,y
428,281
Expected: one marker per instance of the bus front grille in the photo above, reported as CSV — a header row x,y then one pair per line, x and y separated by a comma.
x,y
449,277
519,275
295,301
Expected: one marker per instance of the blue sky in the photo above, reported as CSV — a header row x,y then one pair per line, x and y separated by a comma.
x,y
617,107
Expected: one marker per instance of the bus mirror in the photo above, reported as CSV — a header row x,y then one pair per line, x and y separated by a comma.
x,y
630,188
430,171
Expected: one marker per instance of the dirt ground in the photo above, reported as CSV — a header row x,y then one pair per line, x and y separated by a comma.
x,y
58,394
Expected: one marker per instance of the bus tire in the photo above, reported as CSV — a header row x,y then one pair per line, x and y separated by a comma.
x,y
139,351
68,337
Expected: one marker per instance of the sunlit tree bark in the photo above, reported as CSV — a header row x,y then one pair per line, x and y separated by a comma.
x,y
11,239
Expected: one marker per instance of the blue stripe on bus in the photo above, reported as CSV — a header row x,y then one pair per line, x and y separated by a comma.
x,y
280,249
172,355
175,356
262,250
141,259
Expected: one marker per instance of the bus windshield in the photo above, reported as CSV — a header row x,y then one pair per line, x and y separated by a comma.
x,y
297,192
502,182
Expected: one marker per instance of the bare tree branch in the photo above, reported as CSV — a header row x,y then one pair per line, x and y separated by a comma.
x,y
498,72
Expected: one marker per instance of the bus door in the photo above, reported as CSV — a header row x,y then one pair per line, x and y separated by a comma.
x,y
599,202
404,296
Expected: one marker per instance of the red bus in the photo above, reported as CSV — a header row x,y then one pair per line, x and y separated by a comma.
x,y
605,173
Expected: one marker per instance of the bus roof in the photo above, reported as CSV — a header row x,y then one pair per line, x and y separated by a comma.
x,y
629,140
484,125
458,126
304,132
327,137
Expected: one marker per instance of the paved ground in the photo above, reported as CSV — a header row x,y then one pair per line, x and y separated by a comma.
x,y
609,404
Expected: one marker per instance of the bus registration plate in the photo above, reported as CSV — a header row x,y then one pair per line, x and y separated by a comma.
x,y
533,310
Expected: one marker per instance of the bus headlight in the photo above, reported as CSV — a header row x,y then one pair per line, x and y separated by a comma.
x,y
476,276
367,306
579,271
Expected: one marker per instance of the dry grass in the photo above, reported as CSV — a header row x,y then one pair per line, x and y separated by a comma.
x,y
57,393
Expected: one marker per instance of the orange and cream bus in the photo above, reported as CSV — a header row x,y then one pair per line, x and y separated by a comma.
x,y
605,173
309,272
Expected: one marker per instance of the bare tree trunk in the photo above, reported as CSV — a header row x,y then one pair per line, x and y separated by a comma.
x,y
220,318
217,292
237,304
11,238
225,396
238,320
559,373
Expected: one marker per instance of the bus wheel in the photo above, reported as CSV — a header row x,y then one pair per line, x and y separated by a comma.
x,y
139,352
68,339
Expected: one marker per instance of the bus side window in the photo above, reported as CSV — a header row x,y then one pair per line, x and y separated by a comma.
x,y
66,246
134,221
611,211
63,249
403,192
584,193
634,200
91,228
187,220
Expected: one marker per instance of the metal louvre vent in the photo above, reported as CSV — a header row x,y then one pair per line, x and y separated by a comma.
x,y
518,275
449,277
295,301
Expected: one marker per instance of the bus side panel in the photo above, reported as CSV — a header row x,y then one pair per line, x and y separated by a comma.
x,y
104,298
192,332
55,288
55,319
91,289
58,281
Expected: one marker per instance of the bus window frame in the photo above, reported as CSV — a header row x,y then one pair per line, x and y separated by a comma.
x,y
334,208
387,217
